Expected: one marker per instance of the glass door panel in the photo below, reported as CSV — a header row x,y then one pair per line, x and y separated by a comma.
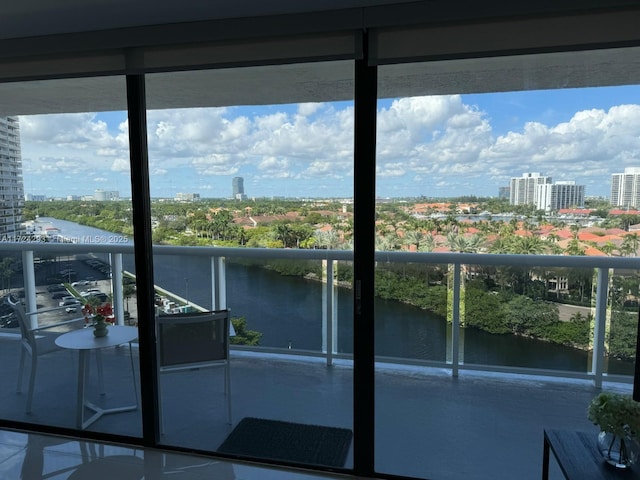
x,y
473,181
262,197
65,215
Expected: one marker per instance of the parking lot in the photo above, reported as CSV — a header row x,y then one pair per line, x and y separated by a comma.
x,y
86,274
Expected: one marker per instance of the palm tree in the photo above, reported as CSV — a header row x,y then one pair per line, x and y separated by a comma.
x,y
414,237
459,243
500,245
527,245
384,244
553,237
608,248
328,239
574,248
575,229
282,232
630,244
428,243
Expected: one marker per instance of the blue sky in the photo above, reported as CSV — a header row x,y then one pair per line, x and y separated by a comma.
x,y
431,146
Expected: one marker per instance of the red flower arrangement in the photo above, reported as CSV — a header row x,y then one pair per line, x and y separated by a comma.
x,y
98,314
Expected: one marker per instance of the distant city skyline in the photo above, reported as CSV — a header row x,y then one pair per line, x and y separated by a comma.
x,y
431,146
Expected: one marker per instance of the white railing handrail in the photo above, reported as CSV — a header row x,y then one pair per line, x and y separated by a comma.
x,y
340,255
217,255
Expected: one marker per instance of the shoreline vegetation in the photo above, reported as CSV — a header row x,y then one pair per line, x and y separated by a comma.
x,y
499,300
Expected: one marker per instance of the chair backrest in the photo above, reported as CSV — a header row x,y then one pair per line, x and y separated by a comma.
x,y
28,338
188,340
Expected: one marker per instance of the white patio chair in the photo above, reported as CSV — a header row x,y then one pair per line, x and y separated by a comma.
x,y
35,342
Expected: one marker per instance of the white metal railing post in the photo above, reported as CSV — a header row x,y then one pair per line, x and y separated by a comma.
x,y
334,308
329,309
602,294
29,279
116,287
218,283
455,321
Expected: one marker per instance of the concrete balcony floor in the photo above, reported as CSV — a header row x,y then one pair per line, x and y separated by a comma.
x,y
428,424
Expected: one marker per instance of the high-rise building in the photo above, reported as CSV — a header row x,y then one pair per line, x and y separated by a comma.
x,y
35,198
11,185
503,192
523,189
625,188
238,188
105,195
553,197
187,197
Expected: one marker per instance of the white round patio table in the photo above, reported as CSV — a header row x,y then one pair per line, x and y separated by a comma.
x,y
85,341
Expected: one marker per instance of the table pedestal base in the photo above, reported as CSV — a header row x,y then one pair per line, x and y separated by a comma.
x,y
98,412
82,404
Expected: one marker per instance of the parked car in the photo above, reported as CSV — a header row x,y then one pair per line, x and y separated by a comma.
x,y
68,301
90,291
71,303
81,283
60,295
71,309
8,321
100,296
56,288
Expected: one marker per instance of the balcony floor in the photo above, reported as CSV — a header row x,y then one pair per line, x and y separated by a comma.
x,y
428,424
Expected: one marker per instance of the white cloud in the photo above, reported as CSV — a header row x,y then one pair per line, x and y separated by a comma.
x,y
391,170
418,139
56,146
593,142
308,109
120,165
273,164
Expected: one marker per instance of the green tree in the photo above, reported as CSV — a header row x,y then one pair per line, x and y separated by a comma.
x,y
6,270
630,244
243,335
529,317
484,311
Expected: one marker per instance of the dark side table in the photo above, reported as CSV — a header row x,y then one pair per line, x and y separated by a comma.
x,y
579,459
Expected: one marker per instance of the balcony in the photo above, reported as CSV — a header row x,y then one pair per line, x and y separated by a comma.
x,y
442,414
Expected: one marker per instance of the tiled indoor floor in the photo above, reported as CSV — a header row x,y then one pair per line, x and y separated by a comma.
x,y
29,456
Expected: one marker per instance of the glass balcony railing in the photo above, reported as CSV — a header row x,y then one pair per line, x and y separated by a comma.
x,y
552,315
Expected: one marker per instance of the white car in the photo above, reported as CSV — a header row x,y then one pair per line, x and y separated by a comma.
x,y
63,300
90,292
81,283
70,303
71,309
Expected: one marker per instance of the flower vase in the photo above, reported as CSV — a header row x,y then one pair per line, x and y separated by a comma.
x,y
100,328
619,451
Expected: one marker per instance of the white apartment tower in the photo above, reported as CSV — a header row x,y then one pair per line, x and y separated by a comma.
x,y
625,188
559,195
11,186
187,197
105,195
523,190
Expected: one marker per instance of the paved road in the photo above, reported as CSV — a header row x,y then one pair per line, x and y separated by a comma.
x,y
567,311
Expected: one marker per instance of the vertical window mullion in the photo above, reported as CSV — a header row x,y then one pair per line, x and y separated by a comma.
x,y
141,202
364,251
